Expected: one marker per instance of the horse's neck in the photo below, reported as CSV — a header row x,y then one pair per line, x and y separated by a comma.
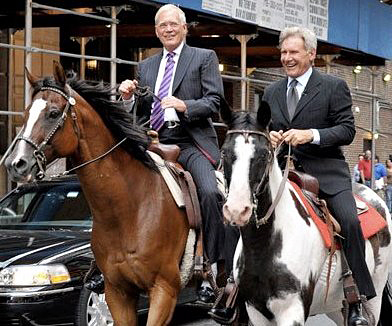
x,y
285,218
112,175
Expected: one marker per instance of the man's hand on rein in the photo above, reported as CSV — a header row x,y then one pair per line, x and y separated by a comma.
x,y
297,137
127,87
173,102
276,137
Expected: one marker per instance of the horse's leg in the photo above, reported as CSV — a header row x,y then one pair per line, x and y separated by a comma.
x,y
163,298
337,317
288,311
122,305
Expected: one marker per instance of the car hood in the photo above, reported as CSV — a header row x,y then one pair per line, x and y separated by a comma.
x,y
40,247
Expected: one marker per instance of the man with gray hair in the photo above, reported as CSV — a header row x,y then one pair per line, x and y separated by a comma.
x,y
312,112
188,88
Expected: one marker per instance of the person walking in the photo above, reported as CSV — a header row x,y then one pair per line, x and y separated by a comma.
x,y
311,111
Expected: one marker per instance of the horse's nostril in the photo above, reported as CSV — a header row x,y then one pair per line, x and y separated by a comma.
x,y
20,165
246,210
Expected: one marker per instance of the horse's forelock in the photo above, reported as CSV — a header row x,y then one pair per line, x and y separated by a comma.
x,y
245,121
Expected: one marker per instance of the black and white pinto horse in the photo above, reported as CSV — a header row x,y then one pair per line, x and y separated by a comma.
x,y
281,266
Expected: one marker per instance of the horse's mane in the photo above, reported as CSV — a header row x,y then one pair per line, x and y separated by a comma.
x,y
118,120
244,120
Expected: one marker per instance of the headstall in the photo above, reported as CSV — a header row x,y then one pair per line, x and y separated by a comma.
x,y
39,149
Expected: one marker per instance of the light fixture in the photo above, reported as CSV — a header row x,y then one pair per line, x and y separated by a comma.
x,y
357,69
375,135
91,64
386,77
221,67
357,109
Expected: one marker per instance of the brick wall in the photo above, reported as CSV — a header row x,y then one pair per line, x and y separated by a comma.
x,y
360,86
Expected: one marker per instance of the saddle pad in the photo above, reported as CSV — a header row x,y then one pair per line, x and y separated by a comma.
x,y
371,220
171,182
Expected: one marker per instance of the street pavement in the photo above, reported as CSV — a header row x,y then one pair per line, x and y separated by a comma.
x,y
194,316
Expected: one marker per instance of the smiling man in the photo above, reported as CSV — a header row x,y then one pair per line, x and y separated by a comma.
x,y
188,88
312,112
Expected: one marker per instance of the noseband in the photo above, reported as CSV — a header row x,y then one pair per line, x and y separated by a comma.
x,y
38,153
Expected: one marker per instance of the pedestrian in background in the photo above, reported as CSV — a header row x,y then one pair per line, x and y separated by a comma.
x,y
380,177
388,190
365,169
356,173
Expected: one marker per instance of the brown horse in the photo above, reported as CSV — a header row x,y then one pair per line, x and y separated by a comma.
x,y
139,233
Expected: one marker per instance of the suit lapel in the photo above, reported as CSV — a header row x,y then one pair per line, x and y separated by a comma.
x,y
281,98
153,70
311,90
182,66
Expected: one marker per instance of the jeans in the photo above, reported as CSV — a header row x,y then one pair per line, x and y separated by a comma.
x,y
388,197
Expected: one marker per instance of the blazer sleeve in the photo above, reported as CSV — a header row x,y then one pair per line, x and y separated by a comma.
x,y
211,87
342,130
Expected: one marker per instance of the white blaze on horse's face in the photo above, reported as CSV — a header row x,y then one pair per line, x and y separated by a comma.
x,y
238,207
36,108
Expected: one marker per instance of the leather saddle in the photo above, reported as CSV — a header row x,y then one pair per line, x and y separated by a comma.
x,y
170,153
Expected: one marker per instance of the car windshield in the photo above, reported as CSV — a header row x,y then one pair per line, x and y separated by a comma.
x,y
57,207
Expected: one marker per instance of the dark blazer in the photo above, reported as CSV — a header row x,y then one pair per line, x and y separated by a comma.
x,y
324,105
198,83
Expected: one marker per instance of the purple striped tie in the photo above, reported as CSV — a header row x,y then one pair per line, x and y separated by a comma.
x,y
157,113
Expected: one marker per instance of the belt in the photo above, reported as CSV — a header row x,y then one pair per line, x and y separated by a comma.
x,y
171,124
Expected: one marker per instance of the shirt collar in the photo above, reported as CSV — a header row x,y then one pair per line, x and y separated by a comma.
x,y
303,79
177,51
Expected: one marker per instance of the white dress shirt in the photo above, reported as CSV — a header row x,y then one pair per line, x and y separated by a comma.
x,y
302,82
170,113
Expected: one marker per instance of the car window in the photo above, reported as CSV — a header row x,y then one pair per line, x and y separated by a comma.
x,y
55,206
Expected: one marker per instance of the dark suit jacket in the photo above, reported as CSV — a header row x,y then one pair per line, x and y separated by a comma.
x,y
198,83
324,105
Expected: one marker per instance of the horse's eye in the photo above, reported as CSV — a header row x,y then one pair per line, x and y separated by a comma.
x,y
54,113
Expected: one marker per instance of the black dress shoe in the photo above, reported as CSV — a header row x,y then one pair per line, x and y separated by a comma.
x,y
355,317
223,316
95,283
206,295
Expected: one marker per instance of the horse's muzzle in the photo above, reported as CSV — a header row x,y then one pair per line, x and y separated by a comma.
x,y
21,169
237,215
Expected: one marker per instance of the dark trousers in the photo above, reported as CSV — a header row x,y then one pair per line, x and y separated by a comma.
x,y
210,198
343,208
219,240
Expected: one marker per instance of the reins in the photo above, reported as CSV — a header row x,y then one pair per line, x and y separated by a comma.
x,y
38,153
39,149
258,189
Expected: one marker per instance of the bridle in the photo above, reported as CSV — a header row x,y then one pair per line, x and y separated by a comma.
x,y
260,185
38,153
39,149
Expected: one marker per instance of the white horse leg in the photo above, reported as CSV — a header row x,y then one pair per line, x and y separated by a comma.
x,y
336,317
288,311
256,317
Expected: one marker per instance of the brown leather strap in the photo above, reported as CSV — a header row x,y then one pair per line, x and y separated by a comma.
x,y
192,205
330,229
189,193
350,288
199,258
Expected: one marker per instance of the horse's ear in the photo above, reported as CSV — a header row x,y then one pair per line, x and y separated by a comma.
x,y
264,114
225,111
32,79
58,73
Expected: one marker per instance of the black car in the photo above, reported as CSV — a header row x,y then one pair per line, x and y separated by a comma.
x,y
44,255
45,230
